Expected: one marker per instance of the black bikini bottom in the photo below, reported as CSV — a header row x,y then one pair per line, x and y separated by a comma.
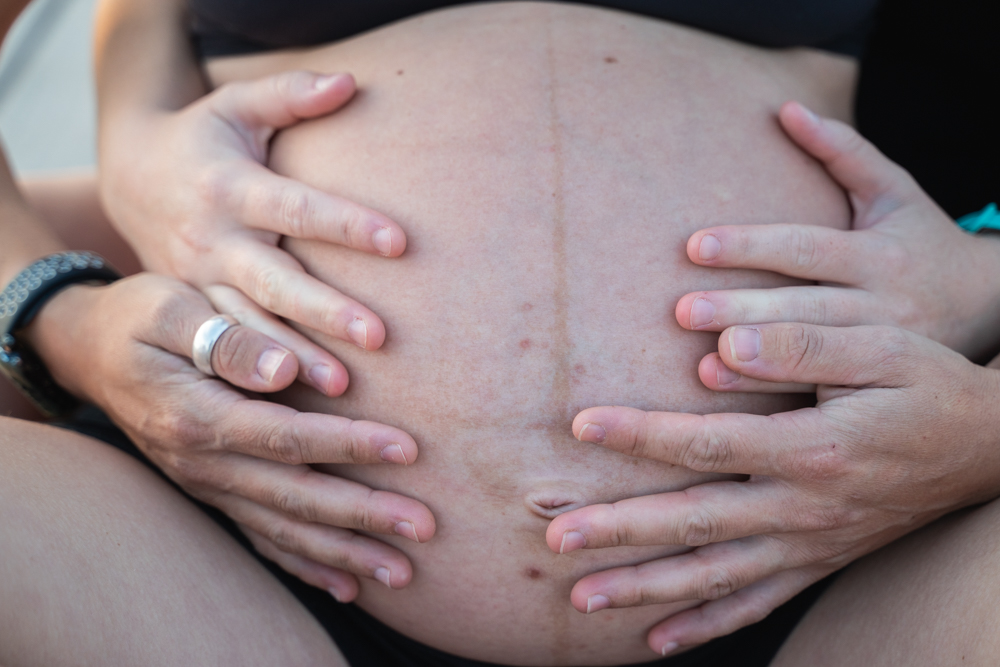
x,y
367,642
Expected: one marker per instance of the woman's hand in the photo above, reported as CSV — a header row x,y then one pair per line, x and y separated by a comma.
x,y
904,262
126,347
189,191
904,432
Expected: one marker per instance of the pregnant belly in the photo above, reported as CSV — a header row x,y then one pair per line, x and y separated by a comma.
x,y
548,163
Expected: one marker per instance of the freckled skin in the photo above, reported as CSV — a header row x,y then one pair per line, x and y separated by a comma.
x,y
547,199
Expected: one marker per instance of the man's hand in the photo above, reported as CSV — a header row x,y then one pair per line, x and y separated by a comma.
x,y
126,348
904,432
903,263
195,201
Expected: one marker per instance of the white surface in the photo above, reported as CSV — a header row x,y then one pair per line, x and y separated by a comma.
x,y
47,101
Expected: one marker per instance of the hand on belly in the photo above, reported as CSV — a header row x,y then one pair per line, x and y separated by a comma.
x,y
547,163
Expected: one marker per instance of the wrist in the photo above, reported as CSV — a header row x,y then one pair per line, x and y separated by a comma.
x,y
32,292
60,338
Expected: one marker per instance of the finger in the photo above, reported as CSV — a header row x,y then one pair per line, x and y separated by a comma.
x,y
703,514
707,573
283,205
278,283
334,547
280,100
278,433
242,356
828,306
875,184
792,352
715,375
718,618
303,494
342,585
725,443
799,251
317,367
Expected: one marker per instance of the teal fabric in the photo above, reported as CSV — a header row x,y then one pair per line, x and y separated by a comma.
x,y
988,218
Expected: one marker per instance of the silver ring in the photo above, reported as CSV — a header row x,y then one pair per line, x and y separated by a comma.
x,y
205,338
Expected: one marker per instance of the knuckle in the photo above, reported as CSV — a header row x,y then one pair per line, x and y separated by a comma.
x,y
289,500
828,518
164,308
697,530
233,351
213,185
284,535
717,582
186,470
362,514
182,429
353,221
706,451
804,249
801,345
268,285
294,208
284,444
354,445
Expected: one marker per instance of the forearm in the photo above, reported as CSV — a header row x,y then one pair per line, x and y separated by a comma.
x,y
146,70
25,236
144,59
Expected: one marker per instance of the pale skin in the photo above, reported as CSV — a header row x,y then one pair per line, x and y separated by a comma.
x,y
214,221
746,373
905,429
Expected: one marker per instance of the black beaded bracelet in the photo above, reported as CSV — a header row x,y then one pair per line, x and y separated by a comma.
x,y
21,300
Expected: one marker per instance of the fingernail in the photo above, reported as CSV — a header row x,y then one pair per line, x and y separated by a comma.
x,y
269,363
358,331
335,594
383,241
572,541
394,454
597,603
320,377
407,530
592,433
383,574
702,313
725,375
813,118
325,82
709,248
744,344
669,647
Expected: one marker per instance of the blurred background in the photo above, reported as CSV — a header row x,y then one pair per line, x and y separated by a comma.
x,y
47,107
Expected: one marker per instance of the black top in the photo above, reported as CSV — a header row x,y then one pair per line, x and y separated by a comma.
x,y
230,27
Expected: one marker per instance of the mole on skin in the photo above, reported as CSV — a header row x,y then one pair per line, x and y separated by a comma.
x,y
533,573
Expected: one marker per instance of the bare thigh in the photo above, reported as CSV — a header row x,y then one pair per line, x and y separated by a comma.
x,y
928,599
102,563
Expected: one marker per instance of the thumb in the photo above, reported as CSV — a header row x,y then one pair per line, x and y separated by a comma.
x,y
876,185
261,106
